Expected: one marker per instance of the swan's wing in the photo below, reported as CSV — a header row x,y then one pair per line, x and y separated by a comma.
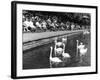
x,y
66,55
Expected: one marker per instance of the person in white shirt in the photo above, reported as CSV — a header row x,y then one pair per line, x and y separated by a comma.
x,y
28,25
38,25
72,26
44,25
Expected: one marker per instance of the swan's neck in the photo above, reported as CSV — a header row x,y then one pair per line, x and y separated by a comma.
x,y
77,43
51,53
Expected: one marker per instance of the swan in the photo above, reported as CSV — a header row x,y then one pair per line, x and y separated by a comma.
x,y
59,47
54,60
58,51
82,50
81,46
64,40
86,32
58,43
66,59
65,55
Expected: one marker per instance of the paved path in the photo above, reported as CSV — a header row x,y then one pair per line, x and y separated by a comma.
x,y
45,38
35,36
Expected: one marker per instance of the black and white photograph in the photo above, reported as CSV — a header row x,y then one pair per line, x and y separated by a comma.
x,y
54,39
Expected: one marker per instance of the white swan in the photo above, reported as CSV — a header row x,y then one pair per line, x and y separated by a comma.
x,y
54,60
65,55
64,40
58,43
86,32
58,51
81,46
66,59
82,50
61,51
59,47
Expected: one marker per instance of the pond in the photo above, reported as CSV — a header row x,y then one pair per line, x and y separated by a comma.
x,y
38,57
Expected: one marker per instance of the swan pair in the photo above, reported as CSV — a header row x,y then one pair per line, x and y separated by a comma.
x,y
59,52
86,32
60,46
56,60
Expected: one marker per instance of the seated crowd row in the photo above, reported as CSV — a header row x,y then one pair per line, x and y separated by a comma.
x,y
37,24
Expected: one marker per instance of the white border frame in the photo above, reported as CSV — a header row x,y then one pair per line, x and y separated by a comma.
x,y
34,72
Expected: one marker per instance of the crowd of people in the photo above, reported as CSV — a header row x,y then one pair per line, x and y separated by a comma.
x,y
50,23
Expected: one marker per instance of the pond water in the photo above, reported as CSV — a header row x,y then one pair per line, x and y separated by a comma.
x,y
38,57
